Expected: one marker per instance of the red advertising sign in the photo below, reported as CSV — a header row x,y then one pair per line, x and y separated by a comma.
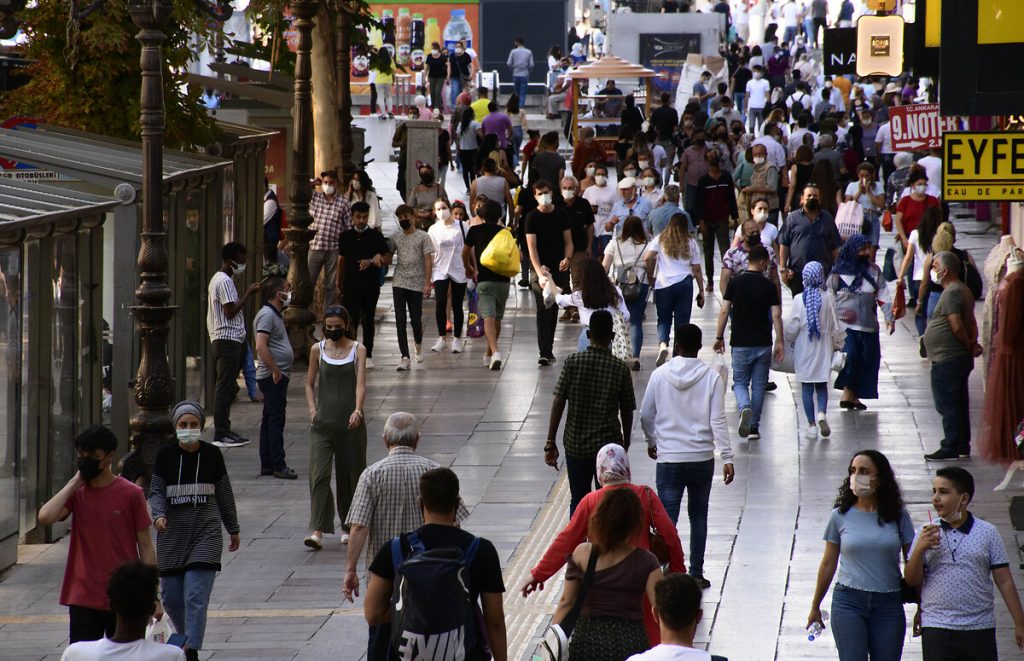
x,y
919,127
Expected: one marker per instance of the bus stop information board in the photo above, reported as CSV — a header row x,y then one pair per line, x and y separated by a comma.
x,y
983,166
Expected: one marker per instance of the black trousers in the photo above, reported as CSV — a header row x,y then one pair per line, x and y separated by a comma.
x,y
275,403
227,360
413,301
950,645
547,318
458,291
90,624
362,307
467,157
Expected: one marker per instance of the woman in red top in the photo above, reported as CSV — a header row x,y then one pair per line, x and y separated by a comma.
x,y
613,472
910,209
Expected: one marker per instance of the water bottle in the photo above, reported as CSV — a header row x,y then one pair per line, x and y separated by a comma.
x,y
817,628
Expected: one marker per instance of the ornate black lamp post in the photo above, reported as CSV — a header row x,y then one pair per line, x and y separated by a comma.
x,y
297,316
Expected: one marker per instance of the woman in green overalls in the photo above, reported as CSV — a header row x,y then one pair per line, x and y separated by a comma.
x,y
338,432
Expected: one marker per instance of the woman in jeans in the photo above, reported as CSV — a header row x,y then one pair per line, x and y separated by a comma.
x,y
596,292
919,253
623,255
859,288
868,530
519,126
610,627
191,498
613,472
677,258
449,274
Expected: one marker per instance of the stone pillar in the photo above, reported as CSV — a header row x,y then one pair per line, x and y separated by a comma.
x,y
421,148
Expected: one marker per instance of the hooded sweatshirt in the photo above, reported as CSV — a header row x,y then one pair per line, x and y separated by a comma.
x,y
683,412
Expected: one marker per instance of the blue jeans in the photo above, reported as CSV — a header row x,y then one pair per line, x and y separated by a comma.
x,y
868,624
807,393
600,243
673,301
186,597
636,309
924,312
790,34
738,98
521,84
951,396
672,480
455,88
517,143
690,200
249,371
750,378
582,477
275,402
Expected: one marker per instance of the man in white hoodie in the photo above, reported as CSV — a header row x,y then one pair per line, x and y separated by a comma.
x,y
683,418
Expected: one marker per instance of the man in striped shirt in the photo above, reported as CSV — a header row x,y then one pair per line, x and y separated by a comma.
x,y
226,326
331,217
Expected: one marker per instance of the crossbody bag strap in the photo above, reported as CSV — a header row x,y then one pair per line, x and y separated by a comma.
x,y
569,622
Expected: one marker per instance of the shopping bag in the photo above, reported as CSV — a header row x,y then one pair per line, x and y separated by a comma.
x,y
786,364
719,365
889,265
160,631
475,323
502,254
899,302
887,220
849,219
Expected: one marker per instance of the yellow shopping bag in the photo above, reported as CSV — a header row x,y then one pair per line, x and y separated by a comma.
x,y
502,254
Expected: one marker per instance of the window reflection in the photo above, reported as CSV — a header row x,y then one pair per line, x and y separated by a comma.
x,y
64,369
10,388
191,306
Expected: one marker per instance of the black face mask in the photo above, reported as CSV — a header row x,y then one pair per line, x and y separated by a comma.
x,y
334,334
754,240
426,177
89,467
404,223
812,204
863,259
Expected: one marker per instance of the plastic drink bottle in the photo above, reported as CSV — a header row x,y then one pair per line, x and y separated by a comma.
x,y
817,628
457,29
403,28
416,41
387,22
433,33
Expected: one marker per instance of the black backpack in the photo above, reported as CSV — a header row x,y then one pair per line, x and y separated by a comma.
x,y
434,616
970,276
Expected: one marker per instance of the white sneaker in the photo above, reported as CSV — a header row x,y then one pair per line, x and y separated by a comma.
x,y
496,361
369,363
457,345
417,353
404,364
487,360
662,355
811,433
440,345
314,541
826,431
344,538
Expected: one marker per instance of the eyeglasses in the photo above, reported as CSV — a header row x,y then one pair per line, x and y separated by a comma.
x,y
335,311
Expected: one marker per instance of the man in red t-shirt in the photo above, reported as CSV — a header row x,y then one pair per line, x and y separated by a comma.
x,y
110,528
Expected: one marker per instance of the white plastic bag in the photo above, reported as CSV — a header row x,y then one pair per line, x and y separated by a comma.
x,y
719,365
159,631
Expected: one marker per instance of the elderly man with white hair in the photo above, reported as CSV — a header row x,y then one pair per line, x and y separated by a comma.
x,y
386,501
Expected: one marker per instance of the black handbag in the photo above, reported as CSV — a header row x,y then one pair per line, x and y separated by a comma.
x,y
910,594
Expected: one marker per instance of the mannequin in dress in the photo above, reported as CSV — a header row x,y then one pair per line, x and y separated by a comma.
x,y
1004,400
993,272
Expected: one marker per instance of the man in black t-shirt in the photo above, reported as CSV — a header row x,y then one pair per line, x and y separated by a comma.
x,y
549,242
754,303
491,288
665,119
362,254
439,500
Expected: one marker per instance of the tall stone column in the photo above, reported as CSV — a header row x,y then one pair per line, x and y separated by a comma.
x,y
298,317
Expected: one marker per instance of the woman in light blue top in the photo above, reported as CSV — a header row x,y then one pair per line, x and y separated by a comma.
x,y
866,533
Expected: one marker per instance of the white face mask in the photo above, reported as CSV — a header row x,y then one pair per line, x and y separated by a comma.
x,y
435,53
921,189
649,181
590,172
544,199
568,193
238,269
459,51
629,173
757,75
760,216
600,180
443,214
935,277
188,436
955,516
357,185
328,189
286,299
644,164
758,160
860,485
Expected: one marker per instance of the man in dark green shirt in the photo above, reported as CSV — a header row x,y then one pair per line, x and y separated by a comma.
x,y
598,388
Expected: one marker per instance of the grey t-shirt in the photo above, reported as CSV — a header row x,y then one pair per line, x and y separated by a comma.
x,y
410,250
942,345
869,554
268,320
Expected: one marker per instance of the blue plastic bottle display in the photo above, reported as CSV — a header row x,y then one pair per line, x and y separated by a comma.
x,y
457,29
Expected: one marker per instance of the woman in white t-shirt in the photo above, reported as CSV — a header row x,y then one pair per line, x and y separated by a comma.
x,y
919,248
673,263
596,292
624,260
870,195
449,275
769,233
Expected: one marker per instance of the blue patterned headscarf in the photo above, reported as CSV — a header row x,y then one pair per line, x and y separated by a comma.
x,y
814,281
847,264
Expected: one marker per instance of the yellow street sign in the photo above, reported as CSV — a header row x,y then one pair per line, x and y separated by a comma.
x,y
983,166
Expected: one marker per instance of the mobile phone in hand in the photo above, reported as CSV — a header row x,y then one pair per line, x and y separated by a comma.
x,y
178,640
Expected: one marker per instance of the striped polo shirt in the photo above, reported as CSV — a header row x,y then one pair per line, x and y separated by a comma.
x,y
220,327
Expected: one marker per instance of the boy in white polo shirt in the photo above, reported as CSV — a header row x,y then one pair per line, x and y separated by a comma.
x,y
677,611
955,562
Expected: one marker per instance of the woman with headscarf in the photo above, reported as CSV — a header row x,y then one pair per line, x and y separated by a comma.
x,y
811,325
613,473
191,499
859,288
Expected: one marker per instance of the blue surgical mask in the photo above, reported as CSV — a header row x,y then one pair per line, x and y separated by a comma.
x,y
188,436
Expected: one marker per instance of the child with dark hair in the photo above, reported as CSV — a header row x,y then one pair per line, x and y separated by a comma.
x,y
955,561
111,527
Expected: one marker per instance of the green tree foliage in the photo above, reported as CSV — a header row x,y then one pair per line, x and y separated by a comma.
x,y
86,74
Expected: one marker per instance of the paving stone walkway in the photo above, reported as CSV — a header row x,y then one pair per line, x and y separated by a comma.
x,y
277,600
